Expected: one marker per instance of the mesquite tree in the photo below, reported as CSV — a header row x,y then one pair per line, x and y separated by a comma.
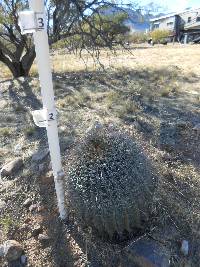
x,y
16,50
65,19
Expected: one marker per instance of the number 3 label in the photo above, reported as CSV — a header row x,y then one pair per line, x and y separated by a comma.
x,y
40,23
40,18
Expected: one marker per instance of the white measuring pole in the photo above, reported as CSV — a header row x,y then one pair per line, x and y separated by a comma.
x,y
34,21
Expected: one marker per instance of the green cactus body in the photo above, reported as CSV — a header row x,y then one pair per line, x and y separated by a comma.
x,y
110,183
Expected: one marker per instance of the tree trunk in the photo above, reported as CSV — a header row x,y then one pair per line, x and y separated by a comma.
x,y
21,67
18,70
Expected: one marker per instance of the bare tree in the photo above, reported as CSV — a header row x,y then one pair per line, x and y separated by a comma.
x,y
66,19
16,50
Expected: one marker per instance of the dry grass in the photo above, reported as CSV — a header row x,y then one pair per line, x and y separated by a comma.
x,y
184,57
177,56
5,131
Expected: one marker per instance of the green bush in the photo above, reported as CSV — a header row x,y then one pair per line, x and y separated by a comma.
x,y
159,35
138,37
111,27
72,41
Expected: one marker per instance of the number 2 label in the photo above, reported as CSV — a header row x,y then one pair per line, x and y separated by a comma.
x,y
51,116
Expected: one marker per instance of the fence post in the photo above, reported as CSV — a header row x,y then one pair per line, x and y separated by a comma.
x,y
34,21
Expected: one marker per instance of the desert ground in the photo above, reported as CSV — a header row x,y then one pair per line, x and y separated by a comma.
x,y
153,94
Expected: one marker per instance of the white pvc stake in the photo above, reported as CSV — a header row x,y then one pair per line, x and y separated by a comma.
x,y
34,21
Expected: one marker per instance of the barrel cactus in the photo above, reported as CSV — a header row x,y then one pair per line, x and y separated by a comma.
x,y
110,183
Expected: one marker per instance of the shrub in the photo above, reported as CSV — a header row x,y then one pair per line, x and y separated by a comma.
x,y
138,37
159,35
112,28
5,131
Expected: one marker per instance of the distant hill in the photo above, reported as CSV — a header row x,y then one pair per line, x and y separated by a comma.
x,y
137,22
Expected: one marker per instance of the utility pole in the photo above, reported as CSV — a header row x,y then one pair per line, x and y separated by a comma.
x,y
34,21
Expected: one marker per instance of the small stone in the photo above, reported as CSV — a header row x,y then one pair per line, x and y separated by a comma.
x,y
185,263
18,148
33,207
48,179
21,79
24,228
1,251
129,118
41,167
62,128
36,230
136,125
50,166
12,250
43,238
23,259
11,167
148,253
66,142
3,103
2,204
40,155
27,220
197,128
183,125
27,203
40,208
185,247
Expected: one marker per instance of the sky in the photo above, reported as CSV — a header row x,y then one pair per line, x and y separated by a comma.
x,y
174,5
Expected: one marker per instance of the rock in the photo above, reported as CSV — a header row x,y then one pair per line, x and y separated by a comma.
x,y
62,128
146,253
11,167
197,128
41,167
23,259
18,148
2,204
167,136
66,142
24,228
3,103
185,247
136,125
33,207
27,221
50,166
129,118
40,155
27,203
34,167
183,125
48,179
21,79
43,238
185,263
1,251
36,230
40,208
12,250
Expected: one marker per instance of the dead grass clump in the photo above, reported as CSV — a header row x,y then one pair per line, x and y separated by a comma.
x,y
5,132
180,209
77,99
29,131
